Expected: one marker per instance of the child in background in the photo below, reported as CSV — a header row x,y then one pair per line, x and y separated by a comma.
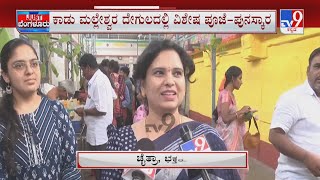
x,y
140,113
142,110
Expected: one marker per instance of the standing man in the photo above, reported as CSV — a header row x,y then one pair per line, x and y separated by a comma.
x,y
295,127
124,71
98,110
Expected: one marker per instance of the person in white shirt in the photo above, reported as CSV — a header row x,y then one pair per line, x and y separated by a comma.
x,y
98,110
295,127
46,88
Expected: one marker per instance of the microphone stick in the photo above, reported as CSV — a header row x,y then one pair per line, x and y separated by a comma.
x,y
186,135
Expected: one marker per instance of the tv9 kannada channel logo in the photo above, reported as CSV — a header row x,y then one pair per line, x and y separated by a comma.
x,y
196,144
33,21
291,21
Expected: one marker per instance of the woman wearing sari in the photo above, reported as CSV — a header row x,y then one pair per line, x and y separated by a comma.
x,y
230,123
163,69
122,92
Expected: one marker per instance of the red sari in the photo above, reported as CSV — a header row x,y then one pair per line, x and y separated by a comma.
x,y
118,111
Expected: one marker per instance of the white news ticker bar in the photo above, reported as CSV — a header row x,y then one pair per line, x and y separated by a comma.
x,y
163,21
162,159
126,7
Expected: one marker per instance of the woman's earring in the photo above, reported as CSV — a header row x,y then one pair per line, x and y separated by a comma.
x,y
39,91
143,95
8,89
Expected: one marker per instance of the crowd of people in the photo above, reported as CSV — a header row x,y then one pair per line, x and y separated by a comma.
x,y
38,141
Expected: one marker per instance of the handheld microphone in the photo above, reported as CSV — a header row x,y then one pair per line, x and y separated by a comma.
x,y
138,175
185,133
143,144
186,136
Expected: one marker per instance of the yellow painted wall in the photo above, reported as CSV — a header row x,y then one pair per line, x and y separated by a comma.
x,y
200,91
264,80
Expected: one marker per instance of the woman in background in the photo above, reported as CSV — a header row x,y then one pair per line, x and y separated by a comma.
x,y
142,110
121,91
104,67
230,123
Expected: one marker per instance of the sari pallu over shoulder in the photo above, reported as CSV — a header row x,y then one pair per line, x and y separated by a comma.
x,y
123,140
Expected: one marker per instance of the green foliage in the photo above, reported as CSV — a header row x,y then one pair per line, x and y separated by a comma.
x,y
54,70
64,39
43,70
76,50
76,68
4,37
49,44
58,51
215,43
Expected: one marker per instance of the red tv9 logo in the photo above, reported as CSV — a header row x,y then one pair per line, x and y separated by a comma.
x,y
201,144
292,21
297,19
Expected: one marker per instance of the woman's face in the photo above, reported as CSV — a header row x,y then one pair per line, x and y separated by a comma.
x,y
23,71
237,82
164,85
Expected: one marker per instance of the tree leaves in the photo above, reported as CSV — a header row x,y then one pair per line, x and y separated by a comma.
x,y
77,50
43,70
76,68
54,70
4,37
58,51
48,43
64,39
215,42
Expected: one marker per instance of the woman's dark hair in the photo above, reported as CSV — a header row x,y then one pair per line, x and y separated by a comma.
x,y
232,72
8,115
153,50
125,70
114,66
101,67
104,62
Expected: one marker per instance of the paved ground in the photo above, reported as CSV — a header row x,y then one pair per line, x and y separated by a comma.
x,y
258,171
86,175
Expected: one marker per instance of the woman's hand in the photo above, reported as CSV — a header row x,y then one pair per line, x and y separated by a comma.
x,y
242,112
245,109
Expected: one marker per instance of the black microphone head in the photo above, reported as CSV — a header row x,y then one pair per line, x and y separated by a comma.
x,y
185,133
145,144
138,175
